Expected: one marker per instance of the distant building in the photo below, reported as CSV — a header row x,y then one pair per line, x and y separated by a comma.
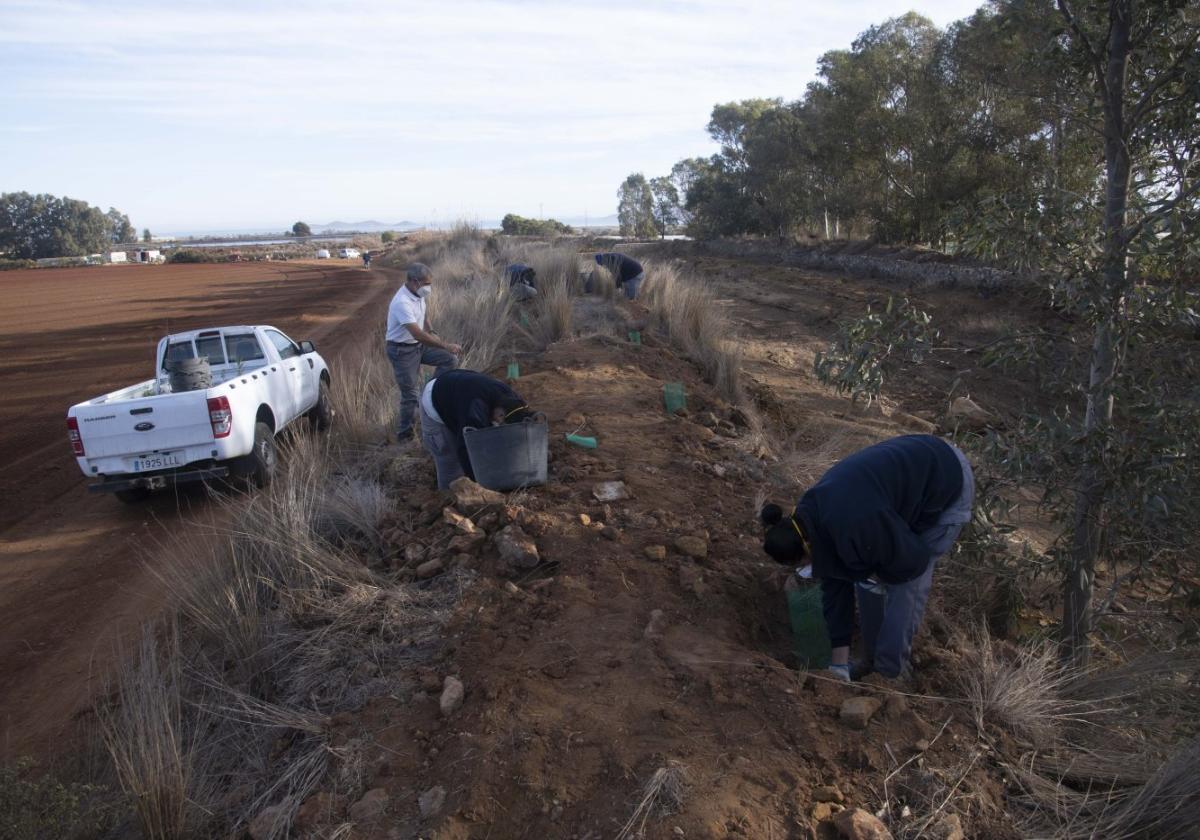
x,y
116,257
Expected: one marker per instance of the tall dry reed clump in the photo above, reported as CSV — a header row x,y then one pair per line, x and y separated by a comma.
x,y
277,625
603,283
685,307
557,268
363,393
1096,755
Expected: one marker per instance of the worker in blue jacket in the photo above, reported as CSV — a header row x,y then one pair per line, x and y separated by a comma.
x,y
874,527
458,399
627,271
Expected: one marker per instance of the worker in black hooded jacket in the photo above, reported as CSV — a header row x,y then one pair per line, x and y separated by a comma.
x,y
456,400
874,526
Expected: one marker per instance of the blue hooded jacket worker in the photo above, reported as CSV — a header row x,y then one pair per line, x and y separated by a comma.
x,y
627,271
458,399
873,529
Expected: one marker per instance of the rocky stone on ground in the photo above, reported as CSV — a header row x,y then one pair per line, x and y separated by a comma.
x,y
857,711
610,491
516,548
946,827
692,546
917,424
414,554
467,543
692,579
610,533
452,695
828,793
262,826
430,568
857,824
655,552
371,806
656,626
470,497
822,811
321,807
431,801
967,414
576,420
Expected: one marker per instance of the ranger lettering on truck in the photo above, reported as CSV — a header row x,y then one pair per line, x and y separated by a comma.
x,y
219,397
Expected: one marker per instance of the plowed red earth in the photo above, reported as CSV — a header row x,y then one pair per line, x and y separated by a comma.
x,y
71,578
610,664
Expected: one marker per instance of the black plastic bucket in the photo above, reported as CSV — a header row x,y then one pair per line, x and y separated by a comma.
x,y
511,456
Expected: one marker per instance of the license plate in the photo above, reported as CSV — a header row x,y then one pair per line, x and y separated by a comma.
x,y
158,461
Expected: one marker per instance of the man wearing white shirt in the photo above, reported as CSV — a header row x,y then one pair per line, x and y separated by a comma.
x,y
411,343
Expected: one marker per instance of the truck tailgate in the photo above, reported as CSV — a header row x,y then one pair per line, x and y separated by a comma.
x,y
143,425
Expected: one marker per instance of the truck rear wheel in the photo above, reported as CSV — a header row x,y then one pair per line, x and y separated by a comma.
x,y
262,457
133,495
321,414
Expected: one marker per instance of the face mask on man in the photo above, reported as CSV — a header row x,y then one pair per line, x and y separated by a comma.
x,y
424,292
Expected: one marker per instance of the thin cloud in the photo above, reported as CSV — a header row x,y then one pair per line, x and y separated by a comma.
x,y
572,95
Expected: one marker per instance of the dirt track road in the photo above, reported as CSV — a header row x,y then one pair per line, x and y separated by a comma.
x,y
72,583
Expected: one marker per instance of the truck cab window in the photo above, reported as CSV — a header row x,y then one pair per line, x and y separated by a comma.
x,y
177,351
242,347
210,346
286,347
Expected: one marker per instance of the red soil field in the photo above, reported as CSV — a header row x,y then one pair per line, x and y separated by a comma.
x,y
71,577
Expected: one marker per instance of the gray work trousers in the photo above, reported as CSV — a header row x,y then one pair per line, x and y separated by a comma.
x,y
631,286
439,443
406,362
891,613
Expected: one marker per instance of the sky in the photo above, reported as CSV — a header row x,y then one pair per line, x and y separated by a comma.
x,y
204,116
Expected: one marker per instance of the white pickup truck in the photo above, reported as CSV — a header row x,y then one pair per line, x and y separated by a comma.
x,y
148,436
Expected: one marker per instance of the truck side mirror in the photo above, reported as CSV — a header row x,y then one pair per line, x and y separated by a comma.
x,y
307,347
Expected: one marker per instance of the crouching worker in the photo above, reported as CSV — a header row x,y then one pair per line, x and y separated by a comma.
x,y
522,282
455,400
626,270
873,529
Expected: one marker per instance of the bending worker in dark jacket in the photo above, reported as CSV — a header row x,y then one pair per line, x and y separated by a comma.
x,y
457,399
627,271
874,526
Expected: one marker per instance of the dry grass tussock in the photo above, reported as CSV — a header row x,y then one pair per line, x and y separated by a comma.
x,y
686,309
1025,695
1096,754
156,755
662,795
277,626
557,268
604,284
363,393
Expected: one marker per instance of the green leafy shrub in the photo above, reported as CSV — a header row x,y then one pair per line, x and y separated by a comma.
x,y
515,225
191,255
854,362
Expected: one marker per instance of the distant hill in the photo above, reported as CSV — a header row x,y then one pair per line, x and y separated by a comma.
x,y
370,226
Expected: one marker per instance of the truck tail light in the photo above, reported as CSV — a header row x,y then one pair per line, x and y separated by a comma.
x,y
220,415
73,436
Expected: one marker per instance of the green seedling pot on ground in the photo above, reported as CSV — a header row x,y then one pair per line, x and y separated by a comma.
x,y
810,636
514,370
585,442
674,397
635,336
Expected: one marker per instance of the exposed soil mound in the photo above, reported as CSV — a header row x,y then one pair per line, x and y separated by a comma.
x,y
620,659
